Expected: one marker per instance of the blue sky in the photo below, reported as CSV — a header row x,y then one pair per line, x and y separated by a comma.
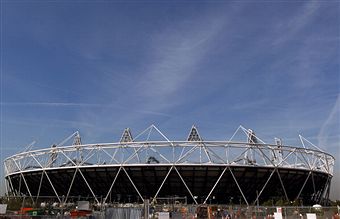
x,y
101,66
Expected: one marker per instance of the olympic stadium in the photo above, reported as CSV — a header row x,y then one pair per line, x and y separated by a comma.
x,y
243,169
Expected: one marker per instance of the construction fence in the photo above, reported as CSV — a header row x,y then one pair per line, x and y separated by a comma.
x,y
81,208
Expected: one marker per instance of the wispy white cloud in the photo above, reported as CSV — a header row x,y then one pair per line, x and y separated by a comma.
x,y
309,51
176,55
82,105
51,123
329,138
50,104
331,125
310,61
288,29
250,105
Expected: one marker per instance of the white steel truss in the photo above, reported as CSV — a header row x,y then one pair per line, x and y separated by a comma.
x,y
131,152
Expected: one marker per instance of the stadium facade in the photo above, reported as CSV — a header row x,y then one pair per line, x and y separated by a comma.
x,y
244,171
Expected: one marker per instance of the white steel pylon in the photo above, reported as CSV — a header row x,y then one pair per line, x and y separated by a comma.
x,y
277,154
77,139
194,135
126,136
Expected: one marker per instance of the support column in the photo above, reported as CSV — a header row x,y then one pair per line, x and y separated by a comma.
x,y
133,184
69,189
146,209
303,186
265,185
114,180
283,187
218,180
186,185
159,189
88,185
238,186
41,179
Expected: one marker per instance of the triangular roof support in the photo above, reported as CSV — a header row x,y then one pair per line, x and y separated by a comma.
x,y
251,137
126,136
194,135
303,140
75,134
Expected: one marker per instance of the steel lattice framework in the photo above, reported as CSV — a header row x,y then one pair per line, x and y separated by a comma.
x,y
205,171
